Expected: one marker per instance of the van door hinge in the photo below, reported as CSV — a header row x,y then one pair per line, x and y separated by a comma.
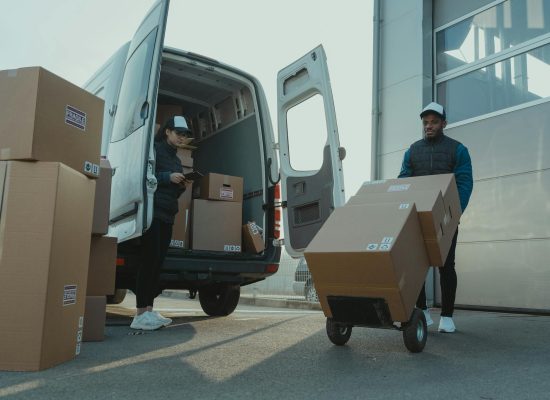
x,y
276,204
276,146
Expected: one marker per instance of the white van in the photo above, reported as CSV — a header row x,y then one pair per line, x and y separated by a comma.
x,y
233,133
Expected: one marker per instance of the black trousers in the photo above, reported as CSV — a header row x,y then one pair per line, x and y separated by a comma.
x,y
448,282
154,246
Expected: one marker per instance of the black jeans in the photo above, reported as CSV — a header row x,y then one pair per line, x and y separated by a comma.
x,y
154,246
448,282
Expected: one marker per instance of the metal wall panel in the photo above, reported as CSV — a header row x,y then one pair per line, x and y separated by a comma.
x,y
508,274
390,164
510,143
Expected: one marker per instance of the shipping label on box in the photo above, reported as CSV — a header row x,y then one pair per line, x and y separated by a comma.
x,y
252,238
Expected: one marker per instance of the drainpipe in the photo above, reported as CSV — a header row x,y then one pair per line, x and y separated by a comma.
x,y
374,169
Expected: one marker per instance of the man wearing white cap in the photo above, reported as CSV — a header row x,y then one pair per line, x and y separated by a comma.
x,y
436,154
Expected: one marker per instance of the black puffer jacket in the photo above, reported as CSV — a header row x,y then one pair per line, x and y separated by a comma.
x,y
167,193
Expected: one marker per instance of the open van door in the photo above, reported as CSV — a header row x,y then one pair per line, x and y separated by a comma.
x,y
131,151
312,180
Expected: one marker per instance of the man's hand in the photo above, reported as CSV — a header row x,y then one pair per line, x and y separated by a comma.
x,y
178,178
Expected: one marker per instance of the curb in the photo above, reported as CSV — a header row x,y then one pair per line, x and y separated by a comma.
x,y
257,301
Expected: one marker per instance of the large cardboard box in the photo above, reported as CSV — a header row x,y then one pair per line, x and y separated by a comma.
x,y
220,187
431,213
102,266
95,315
253,241
45,232
46,118
100,225
446,184
216,225
373,251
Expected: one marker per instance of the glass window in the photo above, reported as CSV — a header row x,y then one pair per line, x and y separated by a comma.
x,y
307,134
496,29
133,91
508,83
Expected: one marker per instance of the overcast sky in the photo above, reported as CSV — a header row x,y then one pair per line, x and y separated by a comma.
x,y
72,38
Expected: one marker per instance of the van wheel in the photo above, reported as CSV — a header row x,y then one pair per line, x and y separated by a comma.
x,y
118,297
219,300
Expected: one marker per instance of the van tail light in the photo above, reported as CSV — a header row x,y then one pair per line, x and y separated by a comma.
x,y
120,262
278,212
272,268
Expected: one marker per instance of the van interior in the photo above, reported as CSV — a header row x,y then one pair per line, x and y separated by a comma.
x,y
220,108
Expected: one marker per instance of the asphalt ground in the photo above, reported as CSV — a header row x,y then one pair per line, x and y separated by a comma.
x,y
262,352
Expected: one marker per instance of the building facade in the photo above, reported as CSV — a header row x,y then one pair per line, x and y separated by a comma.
x,y
488,63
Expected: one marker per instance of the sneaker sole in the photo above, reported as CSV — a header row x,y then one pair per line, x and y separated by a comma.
x,y
146,328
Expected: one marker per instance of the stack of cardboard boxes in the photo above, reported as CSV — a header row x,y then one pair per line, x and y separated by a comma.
x,y
380,244
50,135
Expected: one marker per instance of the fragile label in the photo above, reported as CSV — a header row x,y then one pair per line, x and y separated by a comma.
x,y
399,188
75,117
91,168
372,247
232,248
385,247
404,206
226,193
69,295
387,240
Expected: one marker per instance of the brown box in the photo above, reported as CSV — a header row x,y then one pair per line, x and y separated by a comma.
x,y
447,185
45,232
220,187
102,266
216,225
182,220
185,156
95,315
431,213
370,251
46,118
253,241
100,225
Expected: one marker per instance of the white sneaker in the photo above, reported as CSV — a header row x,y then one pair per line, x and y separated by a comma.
x,y
146,322
165,321
446,325
429,320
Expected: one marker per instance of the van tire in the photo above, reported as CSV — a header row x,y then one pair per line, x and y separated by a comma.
x,y
117,297
219,300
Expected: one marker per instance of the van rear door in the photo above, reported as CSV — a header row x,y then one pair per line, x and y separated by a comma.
x,y
308,136
131,151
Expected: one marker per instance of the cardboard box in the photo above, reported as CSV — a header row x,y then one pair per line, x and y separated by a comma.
x,y
220,187
216,225
373,251
182,220
253,240
45,233
431,213
447,185
100,225
186,158
95,315
46,118
102,266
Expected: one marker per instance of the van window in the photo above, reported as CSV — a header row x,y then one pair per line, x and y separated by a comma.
x,y
133,90
307,134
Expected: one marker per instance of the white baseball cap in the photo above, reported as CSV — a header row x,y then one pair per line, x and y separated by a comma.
x,y
178,123
436,108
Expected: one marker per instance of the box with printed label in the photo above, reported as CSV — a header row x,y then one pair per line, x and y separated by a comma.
x,y
45,233
216,225
95,315
102,201
102,266
253,241
46,118
373,251
431,213
220,187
